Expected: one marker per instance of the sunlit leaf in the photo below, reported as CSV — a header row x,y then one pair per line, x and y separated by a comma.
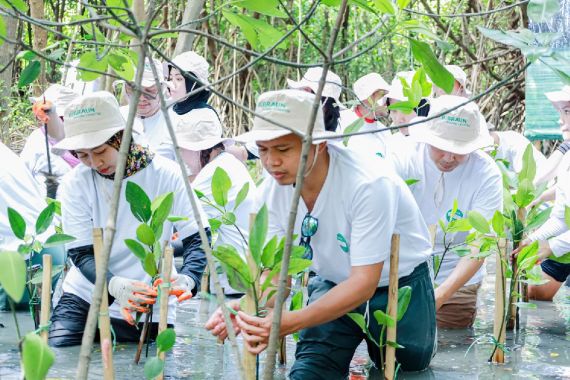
x,y
161,210
528,170
384,319
145,234
18,4
90,61
384,6
258,234
352,127
153,367
58,239
149,264
242,194
215,224
165,340
478,221
525,193
139,202
229,219
228,255
136,248
404,297
539,219
498,223
221,184
296,301
268,255
45,218
17,223
528,251
37,357
13,274
434,69
265,7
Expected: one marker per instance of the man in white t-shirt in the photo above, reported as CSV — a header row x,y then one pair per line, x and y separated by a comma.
x,y
448,165
510,146
369,90
346,216
149,120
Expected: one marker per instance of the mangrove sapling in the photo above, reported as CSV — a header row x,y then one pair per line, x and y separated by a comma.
x,y
384,321
147,247
154,367
37,357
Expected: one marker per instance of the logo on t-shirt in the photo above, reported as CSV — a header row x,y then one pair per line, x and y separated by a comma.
x,y
458,215
343,243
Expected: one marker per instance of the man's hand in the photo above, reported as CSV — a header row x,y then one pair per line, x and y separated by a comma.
x,y
131,295
544,250
255,331
182,286
216,324
439,298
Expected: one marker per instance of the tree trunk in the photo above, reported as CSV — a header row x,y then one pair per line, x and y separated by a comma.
x,y
6,55
39,41
192,12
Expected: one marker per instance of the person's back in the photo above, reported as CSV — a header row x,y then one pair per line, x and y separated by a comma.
x,y
511,147
19,191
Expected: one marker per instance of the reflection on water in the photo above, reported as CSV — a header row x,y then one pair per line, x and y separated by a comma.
x,y
539,351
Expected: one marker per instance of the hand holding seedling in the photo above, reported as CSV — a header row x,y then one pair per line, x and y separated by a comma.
x,y
255,330
41,109
216,324
544,250
182,286
131,296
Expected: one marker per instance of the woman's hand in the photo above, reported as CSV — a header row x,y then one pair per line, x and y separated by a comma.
x,y
216,324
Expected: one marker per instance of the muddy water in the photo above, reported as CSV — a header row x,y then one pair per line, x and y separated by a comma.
x,y
539,351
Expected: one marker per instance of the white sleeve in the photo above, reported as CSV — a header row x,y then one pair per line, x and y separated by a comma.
x,y
556,224
374,214
489,198
183,207
560,245
76,210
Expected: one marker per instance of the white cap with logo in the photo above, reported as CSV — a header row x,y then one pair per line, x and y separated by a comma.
x,y
333,83
461,131
59,95
367,85
559,96
196,64
291,108
90,121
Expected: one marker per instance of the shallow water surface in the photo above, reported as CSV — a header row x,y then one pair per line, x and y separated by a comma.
x,y
541,350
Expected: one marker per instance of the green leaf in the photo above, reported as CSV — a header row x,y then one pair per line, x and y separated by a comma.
x,y
425,85
539,219
221,184
511,38
122,65
268,255
258,234
406,107
45,219
352,127
229,219
528,170
478,221
258,33
297,265
153,367
542,10
89,61
174,218
27,55
403,3
567,216
149,264
525,305
404,297
498,223
384,319
242,194
235,279
459,225
242,22
139,202
528,251
525,193
564,259
228,255
296,301
136,248
435,70
58,239
3,31
37,357
13,274
30,73
359,320
161,209
17,223
145,234
199,194
165,340
411,181
215,224
394,344
18,4
265,7
384,6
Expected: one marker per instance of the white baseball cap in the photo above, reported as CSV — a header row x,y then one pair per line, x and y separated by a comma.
x,y
367,85
59,95
90,121
199,130
559,96
194,63
291,108
461,131
333,83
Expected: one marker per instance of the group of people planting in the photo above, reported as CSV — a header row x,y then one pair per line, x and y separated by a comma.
x,y
355,195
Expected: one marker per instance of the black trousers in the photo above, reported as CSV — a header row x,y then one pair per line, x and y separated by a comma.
x,y
69,318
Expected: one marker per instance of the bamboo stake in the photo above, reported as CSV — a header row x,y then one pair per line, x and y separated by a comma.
x,y
104,320
514,316
164,294
46,296
390,365
250,307
269,369
432,232
499,327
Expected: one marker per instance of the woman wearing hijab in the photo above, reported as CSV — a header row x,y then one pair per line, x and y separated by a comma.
x,y
93,132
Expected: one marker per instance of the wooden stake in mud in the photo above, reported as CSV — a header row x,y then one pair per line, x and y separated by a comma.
x,y
499,327
46,296
390,366
104,320
513,309
249,359
164,294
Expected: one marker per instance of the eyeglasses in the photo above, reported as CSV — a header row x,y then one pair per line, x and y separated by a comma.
x,y
309,228
145,93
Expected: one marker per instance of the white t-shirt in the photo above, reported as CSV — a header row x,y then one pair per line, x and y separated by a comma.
x,y
35,157
152,132
476,184
511,148
19,191
239,176
360,206
371,144
86,201
555,229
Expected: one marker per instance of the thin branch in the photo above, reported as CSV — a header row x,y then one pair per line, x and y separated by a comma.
x,y
475,14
